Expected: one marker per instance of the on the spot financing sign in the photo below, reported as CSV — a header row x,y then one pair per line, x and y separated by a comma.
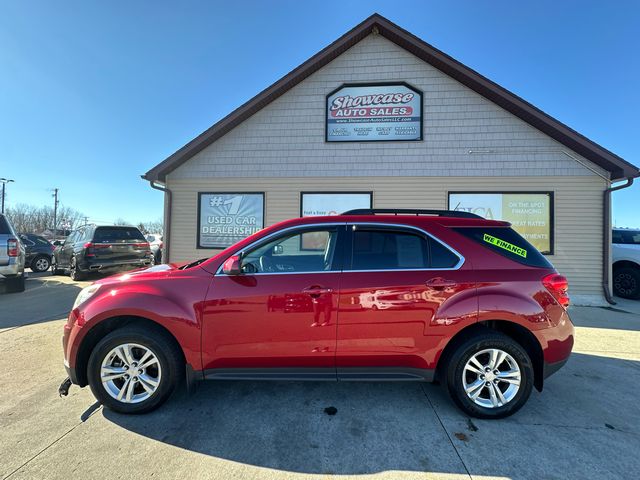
x,y
226,218
361,113
528,212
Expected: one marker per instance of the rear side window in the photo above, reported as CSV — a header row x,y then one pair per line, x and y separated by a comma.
x,y
627,237
4,226
382,249
40,241
117,235
508,243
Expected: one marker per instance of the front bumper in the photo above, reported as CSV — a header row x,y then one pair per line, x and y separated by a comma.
x,y
551,368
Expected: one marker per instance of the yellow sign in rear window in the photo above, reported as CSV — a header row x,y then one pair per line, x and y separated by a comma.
x,y
504,245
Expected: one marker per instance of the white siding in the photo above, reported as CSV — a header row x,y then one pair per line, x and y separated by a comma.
x,y
286,138
577,222
470,141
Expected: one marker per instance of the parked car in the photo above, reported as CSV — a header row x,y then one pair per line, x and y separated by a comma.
x,y
12,257
38,250
625,255
467,301
155,242
101,249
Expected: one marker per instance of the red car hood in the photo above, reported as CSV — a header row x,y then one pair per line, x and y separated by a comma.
x,y
157,271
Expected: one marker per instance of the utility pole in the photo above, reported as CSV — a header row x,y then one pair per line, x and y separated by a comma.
x,y
55,213
86,220
4,181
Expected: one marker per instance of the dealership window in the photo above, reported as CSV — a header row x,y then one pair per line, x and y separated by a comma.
x,y
530,213
314,204
225,218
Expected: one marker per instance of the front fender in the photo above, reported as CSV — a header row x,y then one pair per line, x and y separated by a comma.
x,y
176,307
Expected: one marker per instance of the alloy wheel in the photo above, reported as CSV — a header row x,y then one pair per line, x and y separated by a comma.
x,y
41,264
491,378
130,373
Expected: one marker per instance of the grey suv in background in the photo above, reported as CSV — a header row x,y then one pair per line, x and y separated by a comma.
x,y
106,249
12,257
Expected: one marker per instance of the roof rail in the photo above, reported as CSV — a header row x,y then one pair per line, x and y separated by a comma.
x,y
411,211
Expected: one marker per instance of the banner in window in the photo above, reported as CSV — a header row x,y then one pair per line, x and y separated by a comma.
x,y
530,213
374,113
226,218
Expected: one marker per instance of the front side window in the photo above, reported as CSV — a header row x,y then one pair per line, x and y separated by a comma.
x,y
384,249
296,252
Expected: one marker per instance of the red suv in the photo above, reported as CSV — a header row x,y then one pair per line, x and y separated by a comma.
x,y
416,295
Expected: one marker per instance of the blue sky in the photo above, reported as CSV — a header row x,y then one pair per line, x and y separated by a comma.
x,y
93,94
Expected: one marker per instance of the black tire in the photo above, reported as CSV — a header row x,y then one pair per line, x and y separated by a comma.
x,y
626,282
75,273
15,284
453,377
40,264
164,348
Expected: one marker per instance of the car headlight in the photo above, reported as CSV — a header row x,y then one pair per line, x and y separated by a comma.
x,y
85,294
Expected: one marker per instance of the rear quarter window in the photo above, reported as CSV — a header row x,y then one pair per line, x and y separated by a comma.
x,y
117,235
4,226
506,242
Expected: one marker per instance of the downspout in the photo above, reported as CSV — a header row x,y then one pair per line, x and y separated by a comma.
x,y
606,237
167,222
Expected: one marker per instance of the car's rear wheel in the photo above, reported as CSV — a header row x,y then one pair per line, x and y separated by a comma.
x,y
490,376
626,282
134,370
40,264
75,273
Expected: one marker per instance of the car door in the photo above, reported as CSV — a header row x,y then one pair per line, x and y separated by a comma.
x,y
278,317
401,292
66,250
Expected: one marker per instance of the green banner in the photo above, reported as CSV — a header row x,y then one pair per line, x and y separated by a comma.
x,y
505,245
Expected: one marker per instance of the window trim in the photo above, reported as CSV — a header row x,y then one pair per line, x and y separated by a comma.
x,y
342,248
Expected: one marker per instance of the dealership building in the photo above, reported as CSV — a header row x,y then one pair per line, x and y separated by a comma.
x,y
381,119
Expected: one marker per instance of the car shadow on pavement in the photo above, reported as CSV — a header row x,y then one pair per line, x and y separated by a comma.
x,y
45,298
379,427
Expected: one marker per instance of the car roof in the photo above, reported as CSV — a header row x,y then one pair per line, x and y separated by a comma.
x,y
394,219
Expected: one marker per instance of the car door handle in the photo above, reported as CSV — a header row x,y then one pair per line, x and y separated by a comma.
x,y
316,291
439,282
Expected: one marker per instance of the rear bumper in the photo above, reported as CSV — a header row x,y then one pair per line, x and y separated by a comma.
x,y
115,265
13,268
551,368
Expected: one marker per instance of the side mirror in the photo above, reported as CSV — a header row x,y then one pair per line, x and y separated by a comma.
x,y
231,265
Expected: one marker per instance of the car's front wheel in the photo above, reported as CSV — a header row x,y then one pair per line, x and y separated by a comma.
x,y
490,376
134,370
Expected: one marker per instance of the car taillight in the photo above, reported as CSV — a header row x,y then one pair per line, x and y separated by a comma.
x,y
558,286
89,248
142,246
12,247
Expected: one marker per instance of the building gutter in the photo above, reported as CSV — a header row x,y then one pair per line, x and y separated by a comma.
x,y
167,219
607,238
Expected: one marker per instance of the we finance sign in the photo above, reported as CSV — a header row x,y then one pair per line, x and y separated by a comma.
x,y
374,113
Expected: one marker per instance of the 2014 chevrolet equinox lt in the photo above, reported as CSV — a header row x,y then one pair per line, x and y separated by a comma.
x,y
367,295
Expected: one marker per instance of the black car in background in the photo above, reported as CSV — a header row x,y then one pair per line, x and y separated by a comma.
x,y
101,249
39,251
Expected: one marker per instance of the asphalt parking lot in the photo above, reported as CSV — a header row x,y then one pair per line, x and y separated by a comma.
x,y
586,424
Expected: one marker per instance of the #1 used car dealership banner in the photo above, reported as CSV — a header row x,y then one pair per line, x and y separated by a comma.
x,y
374,112
528,213
225,218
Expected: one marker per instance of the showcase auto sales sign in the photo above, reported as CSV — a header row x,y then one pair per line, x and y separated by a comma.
x,y
374,113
